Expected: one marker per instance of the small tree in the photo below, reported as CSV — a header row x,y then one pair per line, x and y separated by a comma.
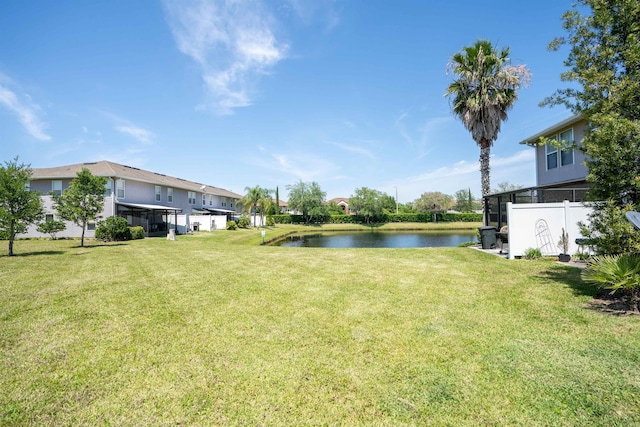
x,y
51,228
433,201
367,202
19,207
82,201
307,198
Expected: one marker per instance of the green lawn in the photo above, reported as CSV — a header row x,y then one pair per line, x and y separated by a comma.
x,y
213,329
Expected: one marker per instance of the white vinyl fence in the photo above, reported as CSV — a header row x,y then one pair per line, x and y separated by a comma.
x,y
539,225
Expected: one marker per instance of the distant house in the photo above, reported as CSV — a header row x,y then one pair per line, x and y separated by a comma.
x,y
343,203
155,201
284,206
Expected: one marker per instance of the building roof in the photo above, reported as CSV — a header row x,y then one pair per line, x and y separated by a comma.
x,y
115,170
340,199
535,139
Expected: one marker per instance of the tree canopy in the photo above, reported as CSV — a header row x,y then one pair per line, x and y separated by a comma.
x,y
368,203
19,207
307,198
485,87
433,201
604,67
83,201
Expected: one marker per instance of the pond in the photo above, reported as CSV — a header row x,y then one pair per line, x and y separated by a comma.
x,y
379,239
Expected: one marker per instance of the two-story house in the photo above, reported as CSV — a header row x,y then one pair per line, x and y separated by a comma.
x,y
560,173
155,201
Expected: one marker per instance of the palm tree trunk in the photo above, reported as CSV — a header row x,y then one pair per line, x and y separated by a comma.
x,y
485,173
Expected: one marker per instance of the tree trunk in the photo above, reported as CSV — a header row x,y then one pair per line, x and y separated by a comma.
x,y
485,170
12,237
84,226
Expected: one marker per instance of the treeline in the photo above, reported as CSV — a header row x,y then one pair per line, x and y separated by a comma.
x,y
385,217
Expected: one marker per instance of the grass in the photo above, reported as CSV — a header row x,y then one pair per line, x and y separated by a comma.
x,y
213,329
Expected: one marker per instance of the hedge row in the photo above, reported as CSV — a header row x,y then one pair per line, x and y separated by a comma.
x,y
360,219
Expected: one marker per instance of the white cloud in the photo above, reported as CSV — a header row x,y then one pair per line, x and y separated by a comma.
x,y
26,111
138,133
354,149
233,41
421,137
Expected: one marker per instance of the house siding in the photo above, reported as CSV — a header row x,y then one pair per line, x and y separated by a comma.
x,y
140,189
577,170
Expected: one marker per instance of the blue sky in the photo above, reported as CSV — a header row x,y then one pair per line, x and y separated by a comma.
x,y
242,93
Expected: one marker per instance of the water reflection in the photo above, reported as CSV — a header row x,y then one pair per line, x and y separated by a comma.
x,y
379,239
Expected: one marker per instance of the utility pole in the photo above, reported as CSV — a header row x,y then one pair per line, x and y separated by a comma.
x,y
396,200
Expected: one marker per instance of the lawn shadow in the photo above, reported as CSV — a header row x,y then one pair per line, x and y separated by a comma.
x,y
570,276
601,299
36,253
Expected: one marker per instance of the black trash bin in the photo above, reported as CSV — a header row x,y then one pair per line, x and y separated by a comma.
x,y
488,236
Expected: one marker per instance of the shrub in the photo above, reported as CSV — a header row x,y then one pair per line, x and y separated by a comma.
x,y
270,221
532,253
137,232
114,228
244,221
51,228
231,225
617,273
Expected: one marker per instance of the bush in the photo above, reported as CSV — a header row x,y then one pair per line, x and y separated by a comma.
x,y
270,221
244,221
231,225
137,232
114,228
616,273
532,253
51,228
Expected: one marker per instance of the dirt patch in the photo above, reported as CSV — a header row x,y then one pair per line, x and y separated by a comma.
x,y
615,305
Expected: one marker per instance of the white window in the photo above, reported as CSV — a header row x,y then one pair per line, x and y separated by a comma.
x,y
192,197
120,188
223,201
170,195
91,226
566,156
48,217
108,188
210,199
56,187
552,156
231,204
204,200
158,193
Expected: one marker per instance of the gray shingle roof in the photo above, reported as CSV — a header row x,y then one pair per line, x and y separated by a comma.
x,y
110,169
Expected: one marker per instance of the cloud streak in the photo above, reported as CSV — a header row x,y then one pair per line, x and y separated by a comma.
x,y
234,43
142,135
26,112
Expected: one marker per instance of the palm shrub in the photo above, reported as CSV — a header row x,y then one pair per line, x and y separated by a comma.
x,y
616,273
244,221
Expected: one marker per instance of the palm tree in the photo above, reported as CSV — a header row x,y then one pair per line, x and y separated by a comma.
x,y
486,86
251,199
254,197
